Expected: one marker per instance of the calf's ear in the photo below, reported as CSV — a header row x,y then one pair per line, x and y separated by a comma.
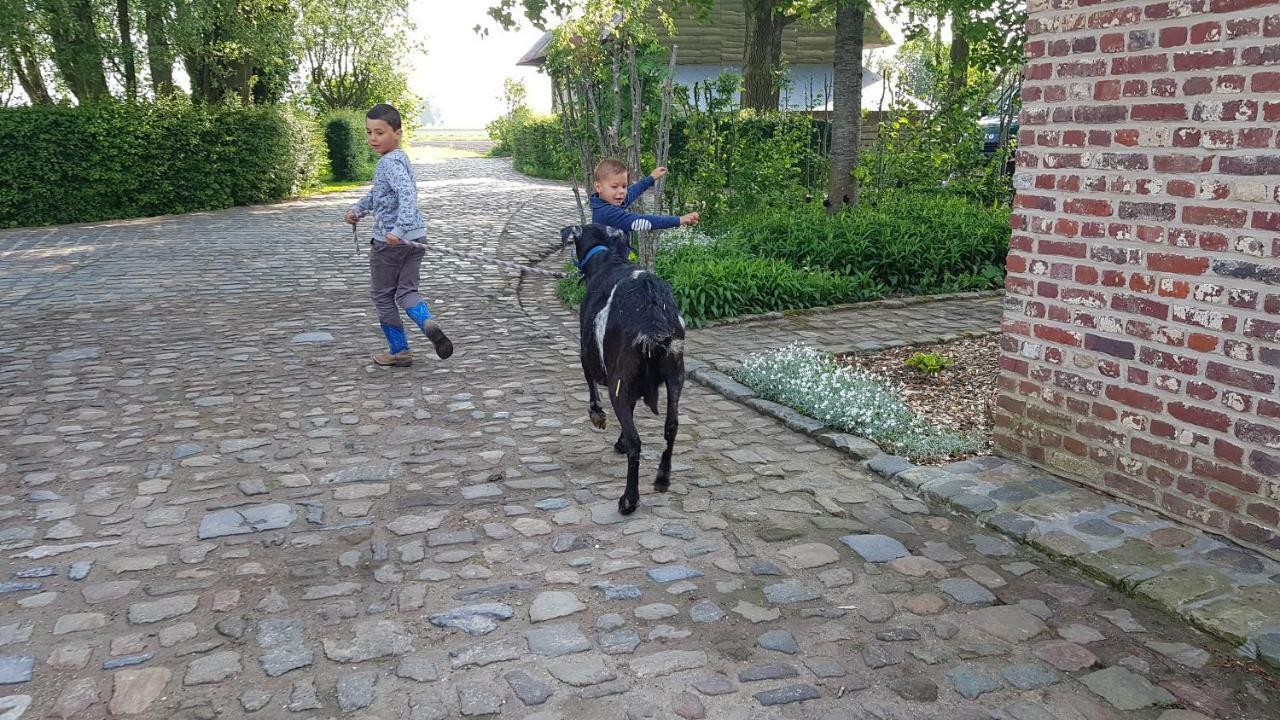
x,y
570,234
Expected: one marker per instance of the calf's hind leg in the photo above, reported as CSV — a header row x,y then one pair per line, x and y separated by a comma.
x,y
593,410
624,409
669,431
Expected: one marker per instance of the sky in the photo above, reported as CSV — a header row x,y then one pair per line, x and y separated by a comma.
x,y
462,73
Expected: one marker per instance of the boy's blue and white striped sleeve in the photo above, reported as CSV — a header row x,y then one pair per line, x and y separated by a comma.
x,y
637,189
614,216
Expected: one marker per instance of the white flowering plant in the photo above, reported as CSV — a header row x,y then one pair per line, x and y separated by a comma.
x,y
848,399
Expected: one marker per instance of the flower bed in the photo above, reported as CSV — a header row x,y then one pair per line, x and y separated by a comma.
x,y
959,397
852,400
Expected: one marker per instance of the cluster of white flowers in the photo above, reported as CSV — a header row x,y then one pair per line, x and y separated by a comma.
x,y
683,236
849,399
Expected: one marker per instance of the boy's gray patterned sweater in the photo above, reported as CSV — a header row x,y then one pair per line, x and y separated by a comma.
x,y
393,200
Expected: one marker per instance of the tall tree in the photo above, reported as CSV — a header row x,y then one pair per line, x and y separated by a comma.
x,y
762,52
127,49
846,107
76,46
350,49
156,21
243,49
22,48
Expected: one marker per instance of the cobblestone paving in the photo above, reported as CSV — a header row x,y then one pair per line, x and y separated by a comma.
x,y
213,506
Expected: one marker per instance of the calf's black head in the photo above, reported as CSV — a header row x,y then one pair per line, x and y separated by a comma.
x,y
587,237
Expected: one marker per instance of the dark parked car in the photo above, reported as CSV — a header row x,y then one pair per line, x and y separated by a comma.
x,y
1004,110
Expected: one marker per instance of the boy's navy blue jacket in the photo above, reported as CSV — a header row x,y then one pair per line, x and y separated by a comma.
x,y
618,216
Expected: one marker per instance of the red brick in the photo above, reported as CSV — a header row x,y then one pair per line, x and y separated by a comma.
x,y
1265,463
1205,59
1064,249
1180,264
1253,534
1088,206
1057,335
1257,433
1234,454
1201,342
1239,377
1265,82
1128,486
1168,455
1168,361
1206,32
1268,514
1218,216
1171,37
1268,221
1203,417
1140,306
1134,398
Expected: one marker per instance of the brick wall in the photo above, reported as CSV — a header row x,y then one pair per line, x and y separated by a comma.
x,y
1141,352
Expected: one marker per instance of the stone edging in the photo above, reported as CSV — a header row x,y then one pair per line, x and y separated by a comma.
x,y
868,305
1220,614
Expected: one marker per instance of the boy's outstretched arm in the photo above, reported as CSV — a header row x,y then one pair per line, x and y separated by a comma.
x,y
637,189
619,218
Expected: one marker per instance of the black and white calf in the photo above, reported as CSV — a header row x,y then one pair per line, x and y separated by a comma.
x,y
632,342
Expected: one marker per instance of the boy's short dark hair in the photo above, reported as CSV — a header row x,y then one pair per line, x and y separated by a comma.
x,y
609,167
385,113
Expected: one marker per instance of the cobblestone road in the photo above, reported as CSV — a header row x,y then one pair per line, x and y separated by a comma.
x,y
213,506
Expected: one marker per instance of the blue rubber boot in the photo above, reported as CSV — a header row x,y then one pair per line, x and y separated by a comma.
x,y
422,316
397,354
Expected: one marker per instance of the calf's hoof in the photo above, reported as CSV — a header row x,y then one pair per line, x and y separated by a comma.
x,y
662,483
598,419
627,505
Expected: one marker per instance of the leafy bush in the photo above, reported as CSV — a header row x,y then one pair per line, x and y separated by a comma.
x,y
538,148
350,157
110,160
848,399
929,363
905,243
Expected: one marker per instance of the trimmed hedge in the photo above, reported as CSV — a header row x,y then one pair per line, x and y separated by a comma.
x,y
538,148
350,157
65,164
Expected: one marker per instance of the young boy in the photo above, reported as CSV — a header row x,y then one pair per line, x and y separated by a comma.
x,y
612,197
393,264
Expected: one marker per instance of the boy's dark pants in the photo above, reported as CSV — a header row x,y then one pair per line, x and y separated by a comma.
x,y
393,273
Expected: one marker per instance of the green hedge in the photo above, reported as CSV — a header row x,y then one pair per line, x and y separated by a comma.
x,y
350,157
907,243
66,164
538,148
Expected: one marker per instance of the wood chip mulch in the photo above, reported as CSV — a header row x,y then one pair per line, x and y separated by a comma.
x,y
960,397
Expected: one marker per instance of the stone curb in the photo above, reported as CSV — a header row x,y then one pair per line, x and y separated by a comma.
x,y
1241,608
868,305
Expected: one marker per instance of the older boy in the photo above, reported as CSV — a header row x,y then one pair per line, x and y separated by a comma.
x,y
393,262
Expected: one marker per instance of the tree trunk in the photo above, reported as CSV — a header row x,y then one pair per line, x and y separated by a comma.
x,y
27,67
958,73
846,108
77,50
127,50
159,50
762,55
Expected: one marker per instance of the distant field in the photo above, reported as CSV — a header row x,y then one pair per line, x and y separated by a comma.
x,y
445,134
